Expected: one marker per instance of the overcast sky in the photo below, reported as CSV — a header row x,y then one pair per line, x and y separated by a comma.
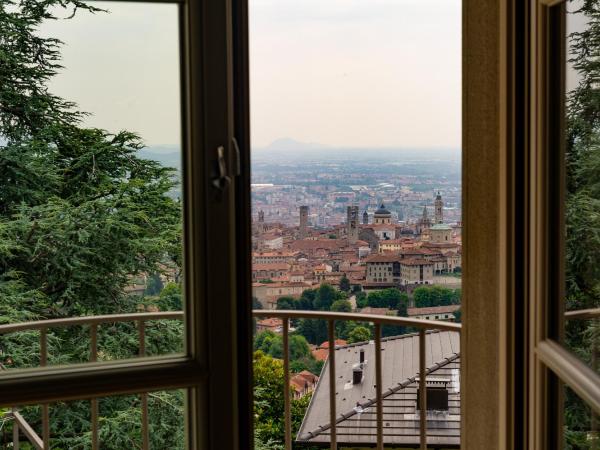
x,y
337,72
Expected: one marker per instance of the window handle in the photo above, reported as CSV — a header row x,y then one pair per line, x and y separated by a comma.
x,y
222,180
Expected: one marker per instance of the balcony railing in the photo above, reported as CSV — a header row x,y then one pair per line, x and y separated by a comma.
x,y
377,321
20,425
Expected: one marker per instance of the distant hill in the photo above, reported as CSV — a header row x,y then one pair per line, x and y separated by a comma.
x,y
287,149
168,156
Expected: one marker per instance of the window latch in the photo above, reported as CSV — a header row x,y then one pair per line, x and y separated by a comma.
x,y
223,177
222,180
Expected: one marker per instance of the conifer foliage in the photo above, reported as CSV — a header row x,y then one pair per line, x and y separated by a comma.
x,y
583,209
80,215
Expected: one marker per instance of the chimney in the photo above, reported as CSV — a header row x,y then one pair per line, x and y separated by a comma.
x,y
357,374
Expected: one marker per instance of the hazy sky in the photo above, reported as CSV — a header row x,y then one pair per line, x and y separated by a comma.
x,y
337,72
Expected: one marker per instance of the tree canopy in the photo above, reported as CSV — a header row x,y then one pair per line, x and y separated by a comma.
x,y
82,216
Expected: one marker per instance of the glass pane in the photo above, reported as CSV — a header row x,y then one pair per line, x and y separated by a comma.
x,y
582,426
582,332
582,255
356,206
90,215
114,423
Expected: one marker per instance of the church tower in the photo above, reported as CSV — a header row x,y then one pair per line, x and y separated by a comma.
x,y
424,222
352,224
303,229
439,208
365,218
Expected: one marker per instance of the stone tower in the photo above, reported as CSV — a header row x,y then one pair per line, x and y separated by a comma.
x,y
424,222
439,208
303,230
352,224
365,218
261,216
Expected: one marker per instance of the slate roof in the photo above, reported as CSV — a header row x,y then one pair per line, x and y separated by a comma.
x,y
356,426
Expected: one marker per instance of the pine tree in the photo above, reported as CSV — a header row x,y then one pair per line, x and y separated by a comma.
x,y
80,214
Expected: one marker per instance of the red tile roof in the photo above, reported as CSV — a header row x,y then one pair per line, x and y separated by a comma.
x,y
433,310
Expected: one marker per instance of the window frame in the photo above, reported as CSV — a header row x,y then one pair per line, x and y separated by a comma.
x,y
212,377
552,365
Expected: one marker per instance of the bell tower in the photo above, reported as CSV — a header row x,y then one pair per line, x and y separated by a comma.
x,y
439,208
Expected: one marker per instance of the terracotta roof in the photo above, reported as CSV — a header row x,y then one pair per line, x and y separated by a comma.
x,y
310,244
415,262
338,342
383,258
433,310
376,311
440,245
270,323
270,266
321,354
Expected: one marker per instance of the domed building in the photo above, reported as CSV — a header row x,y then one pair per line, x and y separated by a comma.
x,y
382,216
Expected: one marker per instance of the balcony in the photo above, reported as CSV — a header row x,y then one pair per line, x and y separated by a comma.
x,y
21,428
380,407
335,368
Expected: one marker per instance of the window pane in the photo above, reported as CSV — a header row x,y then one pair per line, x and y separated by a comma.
x,y
118,422
356,203
583,191
90,215
582,426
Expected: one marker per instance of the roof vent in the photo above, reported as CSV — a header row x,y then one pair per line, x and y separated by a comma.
x,y
357,374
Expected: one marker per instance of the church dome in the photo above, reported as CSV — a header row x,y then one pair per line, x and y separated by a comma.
x,y
382,211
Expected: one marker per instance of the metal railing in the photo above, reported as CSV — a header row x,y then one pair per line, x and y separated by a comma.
x,y
21,425
331,317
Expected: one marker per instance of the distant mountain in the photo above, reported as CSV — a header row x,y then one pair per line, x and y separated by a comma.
x,y
287,149
293,151
167,156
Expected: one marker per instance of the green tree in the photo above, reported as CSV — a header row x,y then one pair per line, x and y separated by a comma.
x,y
582,209
256,304
171,298
298,347
81,215
457,316
341,306
386,298
154,284
361,299
359,334
325,297
345,284
268,402
264,340
307,300
427,296
286,303
314,330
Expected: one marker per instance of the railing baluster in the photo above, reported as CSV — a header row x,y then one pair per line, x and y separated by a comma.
x,y
332,406
45,408
286,382
16,442
378,386
94,402
144,395
422,391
